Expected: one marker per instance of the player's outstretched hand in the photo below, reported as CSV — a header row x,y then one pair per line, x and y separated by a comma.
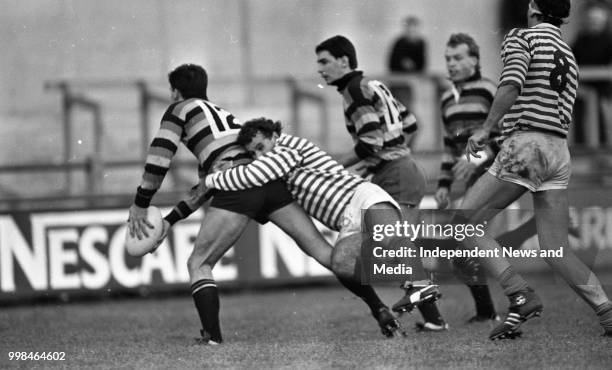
x,y
476,143
138,223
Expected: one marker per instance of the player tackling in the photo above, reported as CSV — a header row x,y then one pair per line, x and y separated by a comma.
x,y
328,192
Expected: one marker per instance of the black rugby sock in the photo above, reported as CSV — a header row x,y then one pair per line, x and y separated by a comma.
x,y
429,311
206,298
511,282
604,312
365,292
483,300
515,238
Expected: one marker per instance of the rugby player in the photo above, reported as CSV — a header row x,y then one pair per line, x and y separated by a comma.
x,y
464,107
381,129
535,98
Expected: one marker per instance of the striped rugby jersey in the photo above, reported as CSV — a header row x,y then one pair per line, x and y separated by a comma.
x,y
379,124
542,66
317,182
464,108
208,131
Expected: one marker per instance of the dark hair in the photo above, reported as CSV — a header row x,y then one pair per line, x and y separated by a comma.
x,y
411,20
554,11
339,46
190,80
463,38
250,128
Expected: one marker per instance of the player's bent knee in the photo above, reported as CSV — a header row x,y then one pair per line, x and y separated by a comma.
x,y
342,266
342,269
202,255
345,255
196,262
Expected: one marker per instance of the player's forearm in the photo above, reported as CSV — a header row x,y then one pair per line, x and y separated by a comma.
x,y
445,179
268,168
151,182
194,200
144,196
184,209
180,212
235,179
159,156
504,99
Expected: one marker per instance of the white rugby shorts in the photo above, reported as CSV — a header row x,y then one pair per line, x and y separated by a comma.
x,y
535,160
366,195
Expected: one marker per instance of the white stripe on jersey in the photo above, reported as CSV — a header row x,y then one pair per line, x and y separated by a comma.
x,y
317,182
542,65
390,115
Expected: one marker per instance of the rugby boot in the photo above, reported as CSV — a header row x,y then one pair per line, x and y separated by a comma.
x,y
415,295
431,327
204,339
604,312
524,305
388,323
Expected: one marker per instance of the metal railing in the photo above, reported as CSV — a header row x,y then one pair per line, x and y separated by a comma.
x,y
70,102
299,96
148,97
93,165
73,100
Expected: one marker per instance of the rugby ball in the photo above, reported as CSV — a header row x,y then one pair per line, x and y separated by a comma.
x,y
139,247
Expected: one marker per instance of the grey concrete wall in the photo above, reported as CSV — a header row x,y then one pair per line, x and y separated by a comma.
x,y
45,40
50,39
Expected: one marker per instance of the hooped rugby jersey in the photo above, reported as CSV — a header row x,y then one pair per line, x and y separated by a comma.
x,y
543,67
464,108
208,131
378,124
317,182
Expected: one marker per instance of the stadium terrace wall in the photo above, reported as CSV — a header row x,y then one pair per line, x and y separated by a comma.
x,y
74,252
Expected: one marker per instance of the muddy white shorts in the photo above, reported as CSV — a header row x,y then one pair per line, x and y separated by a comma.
x,y
366,195
535,160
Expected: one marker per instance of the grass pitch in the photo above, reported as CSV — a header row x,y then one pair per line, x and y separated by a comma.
x,y
302,328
